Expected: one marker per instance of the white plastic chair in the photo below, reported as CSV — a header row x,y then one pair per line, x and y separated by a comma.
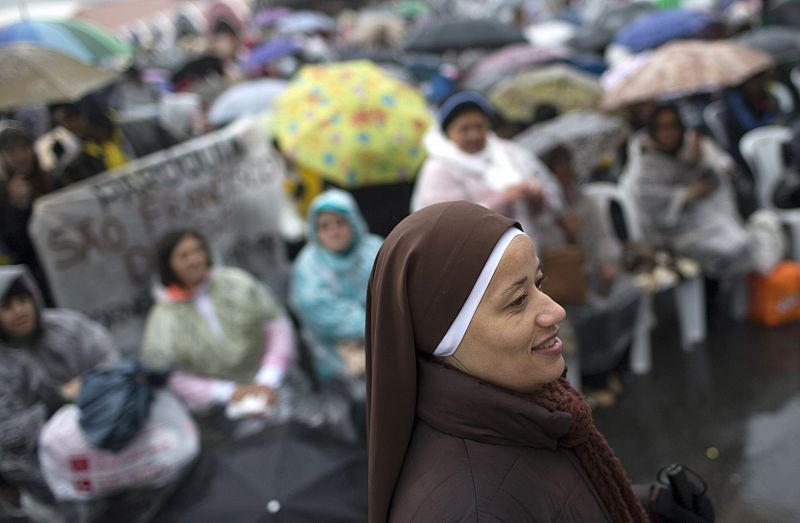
x,y
714,117
784,97
762,149
690,294
794,76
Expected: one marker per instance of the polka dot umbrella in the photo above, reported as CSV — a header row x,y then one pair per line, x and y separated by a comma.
x,y
353,124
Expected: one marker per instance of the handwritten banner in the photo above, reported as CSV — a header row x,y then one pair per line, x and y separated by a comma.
x,y
97,239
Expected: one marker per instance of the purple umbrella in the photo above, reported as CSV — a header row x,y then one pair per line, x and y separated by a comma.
x,y
653,29
269,52
270,16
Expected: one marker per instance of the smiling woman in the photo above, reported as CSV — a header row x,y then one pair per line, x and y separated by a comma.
x,y
470,417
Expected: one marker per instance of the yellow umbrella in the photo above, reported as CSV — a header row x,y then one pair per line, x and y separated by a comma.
x,y
561,86
352,124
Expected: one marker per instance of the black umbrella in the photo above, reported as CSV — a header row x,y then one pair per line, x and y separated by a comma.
x,y
288,473
785,12
462,33
198,68
781,43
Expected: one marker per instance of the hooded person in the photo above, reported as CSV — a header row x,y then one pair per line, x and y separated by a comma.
x,y
467,161
42,354
329,279
469,415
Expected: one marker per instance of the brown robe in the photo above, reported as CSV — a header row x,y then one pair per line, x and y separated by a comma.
x,y
481,454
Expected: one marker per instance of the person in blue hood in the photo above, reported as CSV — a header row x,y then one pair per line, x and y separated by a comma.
x,y
329,281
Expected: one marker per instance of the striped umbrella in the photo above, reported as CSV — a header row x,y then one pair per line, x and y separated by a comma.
x,y
687,67
86,42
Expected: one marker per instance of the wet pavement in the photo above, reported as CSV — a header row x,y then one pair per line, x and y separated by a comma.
x,y
729,410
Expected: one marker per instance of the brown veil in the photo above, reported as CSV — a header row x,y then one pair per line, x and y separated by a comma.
x,y
421,279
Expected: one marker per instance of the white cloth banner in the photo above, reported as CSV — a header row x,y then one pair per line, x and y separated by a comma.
x,y
97,239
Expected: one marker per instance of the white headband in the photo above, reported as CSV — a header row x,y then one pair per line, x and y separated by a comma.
x,y
454,335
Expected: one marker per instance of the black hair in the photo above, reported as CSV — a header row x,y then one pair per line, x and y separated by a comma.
x,y
166,245
652,121
551,156
18,288
12,135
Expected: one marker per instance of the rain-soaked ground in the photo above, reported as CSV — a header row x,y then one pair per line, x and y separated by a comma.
x,y
730,410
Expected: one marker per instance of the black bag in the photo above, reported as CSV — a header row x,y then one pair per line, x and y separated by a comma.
x,y
115,402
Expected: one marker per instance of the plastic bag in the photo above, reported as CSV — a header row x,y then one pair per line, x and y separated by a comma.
x,y
75,470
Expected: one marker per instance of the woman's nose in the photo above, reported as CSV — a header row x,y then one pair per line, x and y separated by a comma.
x,y
551,313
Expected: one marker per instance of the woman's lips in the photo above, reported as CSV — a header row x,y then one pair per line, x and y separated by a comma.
x,y
551,347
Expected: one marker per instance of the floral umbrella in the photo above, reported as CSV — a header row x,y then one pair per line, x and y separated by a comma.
x,y
353,124
687,67
561,86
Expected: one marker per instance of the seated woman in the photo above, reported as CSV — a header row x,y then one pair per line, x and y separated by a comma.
x,y
466,161
604,322
469,415
42,354
225,334
681,182
329,282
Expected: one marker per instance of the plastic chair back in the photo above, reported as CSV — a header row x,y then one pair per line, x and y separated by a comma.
x,y
762,149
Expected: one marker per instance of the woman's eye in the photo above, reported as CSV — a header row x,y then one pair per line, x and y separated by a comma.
x,y
540,282
519,301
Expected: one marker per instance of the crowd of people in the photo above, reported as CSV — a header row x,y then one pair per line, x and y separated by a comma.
x,y
232,343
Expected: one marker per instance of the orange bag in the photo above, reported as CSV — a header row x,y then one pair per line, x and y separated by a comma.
x,y
775,299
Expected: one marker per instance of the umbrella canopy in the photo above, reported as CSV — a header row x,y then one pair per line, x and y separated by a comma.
x,y
688,67
509,59
785,13
615,17
588,135
462,33
781,43
197,68
353,124
305,22
268,52
270,16
32,75
285,473
653,29
86,42
246,98
561,86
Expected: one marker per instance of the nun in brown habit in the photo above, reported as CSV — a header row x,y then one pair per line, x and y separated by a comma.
x,y
469,415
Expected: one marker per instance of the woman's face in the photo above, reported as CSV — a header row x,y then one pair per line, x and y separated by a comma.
x,y
668,131
18,316
189,262
333,231
468,131
512,339
19,157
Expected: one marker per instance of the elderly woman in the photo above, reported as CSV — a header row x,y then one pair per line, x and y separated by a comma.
x,y
681,181
329,283
466,161
224,333
469,416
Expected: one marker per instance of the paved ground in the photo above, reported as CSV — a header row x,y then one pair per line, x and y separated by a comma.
x,y
738,394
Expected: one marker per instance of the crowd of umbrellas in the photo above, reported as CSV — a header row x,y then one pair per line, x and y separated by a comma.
x,y
347,89
361,78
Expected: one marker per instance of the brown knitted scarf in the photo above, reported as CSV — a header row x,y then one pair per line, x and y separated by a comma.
x,y
598,460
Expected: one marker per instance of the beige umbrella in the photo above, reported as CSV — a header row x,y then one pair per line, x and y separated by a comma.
x,y
687,67
561,86
31,75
